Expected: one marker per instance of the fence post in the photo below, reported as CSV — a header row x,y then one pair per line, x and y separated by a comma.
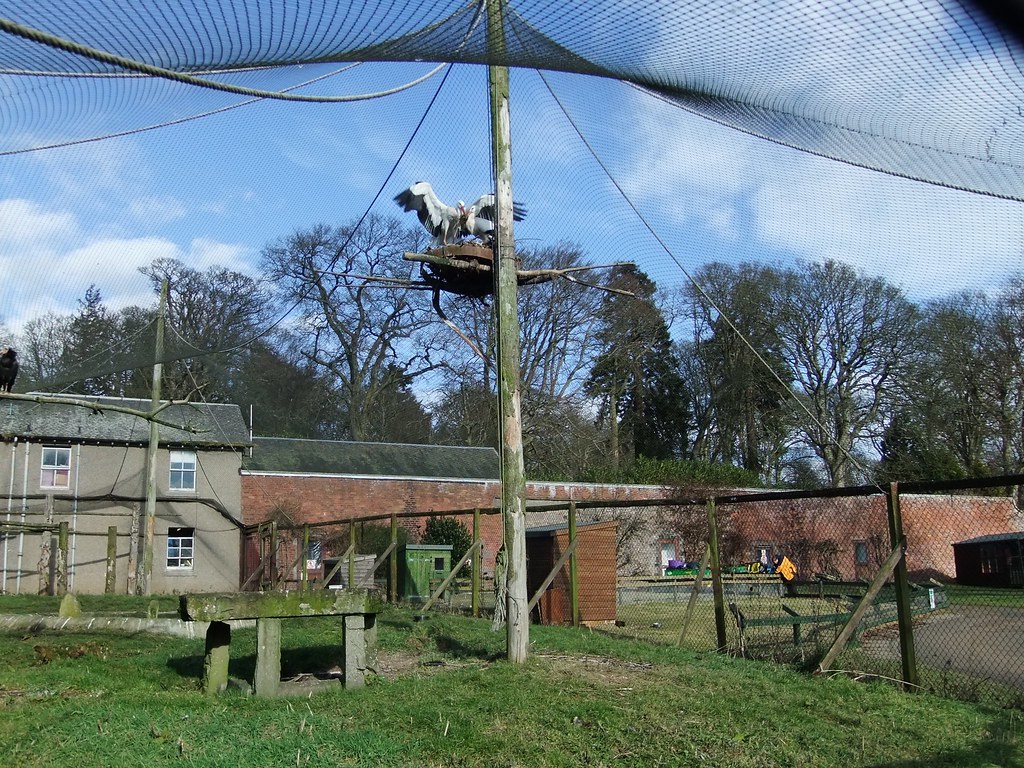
x,y
304,560
574,593
61,585
46,541
351,554
393,565
475,600
111,581
133,548
904,615
716,576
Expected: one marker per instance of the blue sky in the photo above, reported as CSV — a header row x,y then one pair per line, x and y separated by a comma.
x,y
218,189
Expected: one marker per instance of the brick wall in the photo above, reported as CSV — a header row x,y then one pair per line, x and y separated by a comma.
x,y
820,535
327,498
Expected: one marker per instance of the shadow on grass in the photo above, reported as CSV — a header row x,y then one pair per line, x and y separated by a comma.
x,y
311,660
999,749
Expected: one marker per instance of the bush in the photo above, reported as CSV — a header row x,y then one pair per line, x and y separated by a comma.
x,y
448,530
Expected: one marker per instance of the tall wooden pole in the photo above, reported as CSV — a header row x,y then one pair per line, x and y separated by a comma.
x,y
905,617
143,584
506,301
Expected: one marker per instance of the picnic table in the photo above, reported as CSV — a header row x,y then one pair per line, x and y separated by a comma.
x,y
357,610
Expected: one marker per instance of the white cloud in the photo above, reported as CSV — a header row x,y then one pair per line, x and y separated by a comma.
x,y
928,240
204,253
157,210
24,221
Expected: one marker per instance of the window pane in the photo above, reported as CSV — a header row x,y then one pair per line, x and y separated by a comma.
x,y
54,470
180,546
183,471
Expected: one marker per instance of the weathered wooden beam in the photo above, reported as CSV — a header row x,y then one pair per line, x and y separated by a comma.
x,y
279,605
858,613
698,583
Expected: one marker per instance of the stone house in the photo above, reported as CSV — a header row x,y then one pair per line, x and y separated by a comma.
x,y
62,463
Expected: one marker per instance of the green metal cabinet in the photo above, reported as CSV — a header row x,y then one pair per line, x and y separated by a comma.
x,y
422,568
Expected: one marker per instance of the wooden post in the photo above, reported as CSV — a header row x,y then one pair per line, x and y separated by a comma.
x,y
698,582
506,301
60,586
477,562
144,584
303,561
574,586
45,558
904,615
716,577
862,607
272,555
351,555
110,584
133,549
393,564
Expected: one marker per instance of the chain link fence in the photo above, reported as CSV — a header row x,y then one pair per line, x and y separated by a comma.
x,y
921,584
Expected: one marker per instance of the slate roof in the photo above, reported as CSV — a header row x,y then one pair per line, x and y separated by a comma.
x,y
216,425
992,537
335,457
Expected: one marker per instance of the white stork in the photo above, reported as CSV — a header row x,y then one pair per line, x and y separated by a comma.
x,y
446,223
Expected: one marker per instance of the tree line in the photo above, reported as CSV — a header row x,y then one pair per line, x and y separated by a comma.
x,y
805,375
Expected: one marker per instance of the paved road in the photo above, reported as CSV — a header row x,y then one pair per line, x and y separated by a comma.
x,y
980,641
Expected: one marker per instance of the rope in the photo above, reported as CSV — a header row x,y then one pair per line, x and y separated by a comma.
x,y
45,38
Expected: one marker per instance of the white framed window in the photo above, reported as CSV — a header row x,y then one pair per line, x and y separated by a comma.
x,y
55,470
181,543
183,471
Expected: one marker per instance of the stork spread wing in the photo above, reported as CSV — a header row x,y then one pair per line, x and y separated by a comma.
x,y
436,217
446,223
485,209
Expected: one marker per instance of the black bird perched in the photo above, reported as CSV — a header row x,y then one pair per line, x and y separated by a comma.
x,y
8,368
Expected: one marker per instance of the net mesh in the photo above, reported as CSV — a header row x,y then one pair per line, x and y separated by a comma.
x,y
926,90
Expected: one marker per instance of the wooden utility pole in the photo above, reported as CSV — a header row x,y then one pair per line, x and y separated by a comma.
x,y
143,583
506,302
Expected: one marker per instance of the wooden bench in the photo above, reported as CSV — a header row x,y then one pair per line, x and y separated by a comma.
x,y
357,609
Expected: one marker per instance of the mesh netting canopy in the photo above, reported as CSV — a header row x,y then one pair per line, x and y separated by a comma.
x,y
926,89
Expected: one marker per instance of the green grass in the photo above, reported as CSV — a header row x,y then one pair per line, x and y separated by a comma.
x,y
583,698
989,596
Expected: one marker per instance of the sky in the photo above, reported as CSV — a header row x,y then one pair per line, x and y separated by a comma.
x,y
218,189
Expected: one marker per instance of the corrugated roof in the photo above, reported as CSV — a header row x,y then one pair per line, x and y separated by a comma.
x,y
992,537
336,457
206,424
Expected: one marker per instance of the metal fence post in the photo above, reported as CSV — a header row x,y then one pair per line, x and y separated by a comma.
x,y
902,586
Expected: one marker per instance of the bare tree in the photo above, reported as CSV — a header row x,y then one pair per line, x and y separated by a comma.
x,y
371,340
847,337
212,317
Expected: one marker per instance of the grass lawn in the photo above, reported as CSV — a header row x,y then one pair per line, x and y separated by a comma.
x,y
446,697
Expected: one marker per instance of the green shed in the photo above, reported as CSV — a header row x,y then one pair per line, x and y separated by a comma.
x,y
422,569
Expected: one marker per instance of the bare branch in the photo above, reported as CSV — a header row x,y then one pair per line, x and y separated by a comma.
x,y
99,409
